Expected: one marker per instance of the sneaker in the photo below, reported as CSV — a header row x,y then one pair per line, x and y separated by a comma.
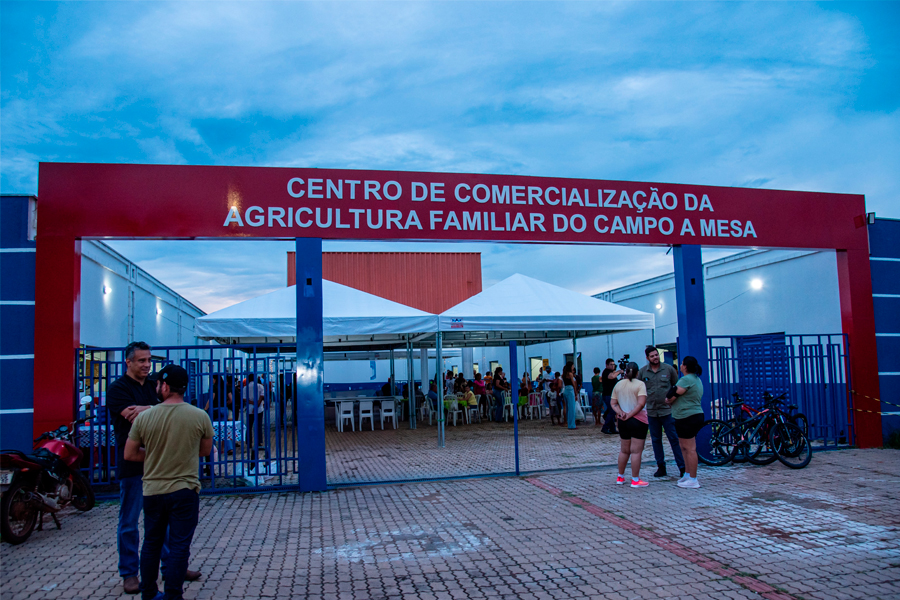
x,y
639,483
620,480
684,476
661,471
689,483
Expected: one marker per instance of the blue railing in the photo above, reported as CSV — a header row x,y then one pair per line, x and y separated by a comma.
x,y
812,369
255,444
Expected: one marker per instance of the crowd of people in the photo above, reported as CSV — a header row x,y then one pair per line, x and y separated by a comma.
x,y
166,437
629,402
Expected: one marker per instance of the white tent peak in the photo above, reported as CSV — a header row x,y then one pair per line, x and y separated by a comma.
x,y
521,303
348,313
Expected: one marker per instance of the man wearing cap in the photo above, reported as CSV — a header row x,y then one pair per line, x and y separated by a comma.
x,y
169,439
126,398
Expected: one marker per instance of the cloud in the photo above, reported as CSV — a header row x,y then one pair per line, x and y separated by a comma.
x,y
778,95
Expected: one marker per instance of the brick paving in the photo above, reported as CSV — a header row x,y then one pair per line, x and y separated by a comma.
x,y
826,532
475,449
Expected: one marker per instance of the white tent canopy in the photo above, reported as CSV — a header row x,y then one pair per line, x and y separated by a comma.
x,y
531,311
351,318
518,308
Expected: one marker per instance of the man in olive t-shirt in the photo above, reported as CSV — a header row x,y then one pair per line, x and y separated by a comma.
x,y
659,377
169,439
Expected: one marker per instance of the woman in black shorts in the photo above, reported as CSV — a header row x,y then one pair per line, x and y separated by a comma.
x,y
628,400
687,410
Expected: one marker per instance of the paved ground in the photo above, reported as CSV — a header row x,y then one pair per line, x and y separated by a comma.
x,y
829,531
476,449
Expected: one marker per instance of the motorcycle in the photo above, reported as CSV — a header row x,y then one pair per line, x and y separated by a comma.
x,y
45,481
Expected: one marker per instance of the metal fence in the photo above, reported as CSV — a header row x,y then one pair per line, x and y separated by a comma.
x,y
812,369
256,448
255,443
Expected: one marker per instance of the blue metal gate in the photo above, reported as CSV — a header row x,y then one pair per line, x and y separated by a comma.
x,y
255,448
812,369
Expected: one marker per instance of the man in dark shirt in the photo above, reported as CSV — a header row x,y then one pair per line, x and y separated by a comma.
x,y
126,398
610,377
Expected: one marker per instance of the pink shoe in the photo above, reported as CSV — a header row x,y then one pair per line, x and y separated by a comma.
x,y
620,480
639,483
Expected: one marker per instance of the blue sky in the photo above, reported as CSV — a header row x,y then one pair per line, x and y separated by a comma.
x,y
779,95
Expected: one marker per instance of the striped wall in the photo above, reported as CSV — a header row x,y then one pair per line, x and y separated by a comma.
x,y
17,268
884,254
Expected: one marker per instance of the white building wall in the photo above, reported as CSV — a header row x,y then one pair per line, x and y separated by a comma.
x,y
136,306
799,295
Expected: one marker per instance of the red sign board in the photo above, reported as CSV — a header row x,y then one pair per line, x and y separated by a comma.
x,y
110,200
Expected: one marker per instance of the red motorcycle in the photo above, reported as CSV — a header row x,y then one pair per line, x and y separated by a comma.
x,y
45,481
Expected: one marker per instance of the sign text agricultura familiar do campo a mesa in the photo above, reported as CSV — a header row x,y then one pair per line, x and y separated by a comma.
x,y
326,204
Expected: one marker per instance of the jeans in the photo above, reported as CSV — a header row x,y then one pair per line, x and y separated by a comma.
x,y
609,418
128,537
657,425
174,515
498,405
131,502
569,395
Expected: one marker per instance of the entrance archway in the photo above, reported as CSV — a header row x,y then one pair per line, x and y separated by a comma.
x,y
308,205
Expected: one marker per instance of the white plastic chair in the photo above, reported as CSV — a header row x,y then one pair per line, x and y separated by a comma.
x,y
454,410
534,405
470,410
366,412
387,410
585,405
426,411
507,406
345,412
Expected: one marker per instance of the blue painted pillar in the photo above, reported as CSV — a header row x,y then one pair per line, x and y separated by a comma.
x,y
514,392
17,294
691,308
310,367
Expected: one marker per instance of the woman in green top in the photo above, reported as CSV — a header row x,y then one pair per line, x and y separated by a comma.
x,y
687,410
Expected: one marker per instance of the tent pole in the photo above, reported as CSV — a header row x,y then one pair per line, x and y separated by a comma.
x,y
514,392
575,355
393,390
439,364
411,385
423,358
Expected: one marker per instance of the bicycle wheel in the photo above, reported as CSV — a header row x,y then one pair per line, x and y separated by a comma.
x,y
721,443
791,447
762,453
800,420
748,441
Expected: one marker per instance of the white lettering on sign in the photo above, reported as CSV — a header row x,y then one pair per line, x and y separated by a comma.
x,y
636,212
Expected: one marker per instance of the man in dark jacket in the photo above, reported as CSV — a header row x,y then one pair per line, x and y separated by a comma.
x,y
126,398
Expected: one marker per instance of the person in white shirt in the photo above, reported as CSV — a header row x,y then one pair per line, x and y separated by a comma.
x,y
629,398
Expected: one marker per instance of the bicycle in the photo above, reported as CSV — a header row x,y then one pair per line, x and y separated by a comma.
x,y
757,436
